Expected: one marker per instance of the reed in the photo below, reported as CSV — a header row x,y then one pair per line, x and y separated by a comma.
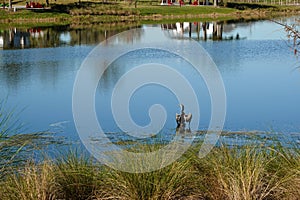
x,y
76,176
35,181
176,181
251,172
226,173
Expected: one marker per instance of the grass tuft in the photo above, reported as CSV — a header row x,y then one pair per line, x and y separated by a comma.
x,y
247,172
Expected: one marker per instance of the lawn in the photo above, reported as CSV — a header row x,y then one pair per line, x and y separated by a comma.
x,y
99,12
184,10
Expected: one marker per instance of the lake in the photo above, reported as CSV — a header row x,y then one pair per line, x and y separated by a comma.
x,y
260,72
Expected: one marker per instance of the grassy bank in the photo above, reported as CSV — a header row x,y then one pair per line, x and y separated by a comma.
x,y
91,13
250,172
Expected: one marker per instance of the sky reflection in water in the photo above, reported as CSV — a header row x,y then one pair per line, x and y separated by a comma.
x,y
259,73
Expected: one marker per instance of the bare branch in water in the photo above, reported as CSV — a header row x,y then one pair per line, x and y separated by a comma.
x,y
292,33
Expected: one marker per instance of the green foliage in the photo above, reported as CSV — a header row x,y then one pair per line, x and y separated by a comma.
x,y
245,6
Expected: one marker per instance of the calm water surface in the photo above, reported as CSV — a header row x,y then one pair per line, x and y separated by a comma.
x,y
38,68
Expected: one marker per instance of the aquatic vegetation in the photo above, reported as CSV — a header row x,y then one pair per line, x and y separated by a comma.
x,y
16,147
253,170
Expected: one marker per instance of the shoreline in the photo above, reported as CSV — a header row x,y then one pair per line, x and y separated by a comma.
x,y
109,14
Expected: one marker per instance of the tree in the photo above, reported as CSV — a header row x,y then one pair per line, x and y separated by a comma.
x,y
10,4
215,2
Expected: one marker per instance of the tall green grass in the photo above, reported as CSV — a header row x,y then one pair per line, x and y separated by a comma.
x,y
176,181
76,176
246,172
252,172
34,181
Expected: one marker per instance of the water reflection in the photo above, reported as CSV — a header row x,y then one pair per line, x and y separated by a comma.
x,y
262,88
201,30
113,73
45,37
57,36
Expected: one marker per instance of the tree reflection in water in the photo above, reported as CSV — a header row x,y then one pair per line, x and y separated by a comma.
x,y
20,38
200,30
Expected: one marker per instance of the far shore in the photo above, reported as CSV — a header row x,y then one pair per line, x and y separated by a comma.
x,y
97,13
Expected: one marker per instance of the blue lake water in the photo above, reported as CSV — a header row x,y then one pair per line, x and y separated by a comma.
x,y
258,67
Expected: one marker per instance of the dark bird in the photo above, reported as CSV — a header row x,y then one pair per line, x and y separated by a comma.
x,y
182,118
